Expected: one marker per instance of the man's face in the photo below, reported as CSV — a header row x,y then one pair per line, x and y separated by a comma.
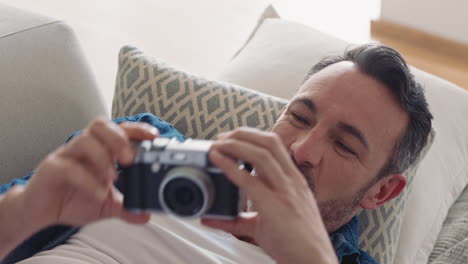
x,y
340,129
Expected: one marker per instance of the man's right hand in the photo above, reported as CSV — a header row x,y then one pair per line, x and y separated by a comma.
x,y
75,184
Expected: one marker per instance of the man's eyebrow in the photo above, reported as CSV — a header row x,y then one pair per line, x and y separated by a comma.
x,y
354,132
307,102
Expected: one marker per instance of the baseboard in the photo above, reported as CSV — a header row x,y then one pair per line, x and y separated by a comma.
x,y
419,38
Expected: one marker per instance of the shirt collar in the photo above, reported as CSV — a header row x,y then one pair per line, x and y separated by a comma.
x,y
345,241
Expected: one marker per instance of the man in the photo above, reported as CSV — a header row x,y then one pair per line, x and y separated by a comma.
x,y
356,123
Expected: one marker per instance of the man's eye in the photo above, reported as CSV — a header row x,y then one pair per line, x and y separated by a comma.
x,y
345,148
299,119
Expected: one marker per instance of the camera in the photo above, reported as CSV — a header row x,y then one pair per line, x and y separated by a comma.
x,y
177,177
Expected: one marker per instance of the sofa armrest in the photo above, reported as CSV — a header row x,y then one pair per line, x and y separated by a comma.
x,y
47,89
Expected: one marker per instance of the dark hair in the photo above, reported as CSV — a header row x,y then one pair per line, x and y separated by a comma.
x,y
388,66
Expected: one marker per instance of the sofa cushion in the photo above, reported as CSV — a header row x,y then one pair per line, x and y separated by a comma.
x,y
13,20
47,89
452,242
275,61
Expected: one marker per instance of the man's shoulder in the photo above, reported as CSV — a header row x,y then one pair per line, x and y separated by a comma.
x,y
365,258
165,129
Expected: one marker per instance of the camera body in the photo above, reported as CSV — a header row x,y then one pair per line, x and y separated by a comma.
x,y
177,177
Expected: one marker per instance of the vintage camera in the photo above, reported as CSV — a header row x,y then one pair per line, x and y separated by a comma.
x,y
177,177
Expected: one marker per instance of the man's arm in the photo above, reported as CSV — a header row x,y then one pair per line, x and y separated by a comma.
x,y
74,184
14,225
288,225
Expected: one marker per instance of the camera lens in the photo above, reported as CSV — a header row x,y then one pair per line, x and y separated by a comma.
x,y
183,197
186,191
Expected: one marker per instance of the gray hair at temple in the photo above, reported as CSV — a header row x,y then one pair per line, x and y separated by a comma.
x,y
388,66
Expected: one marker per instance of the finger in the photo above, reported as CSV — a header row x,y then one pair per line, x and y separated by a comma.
x,y
117,137
114,208
135,218
243,226
113,205
114,139
264,139
89,150
74,177
139,130
253,187
265,164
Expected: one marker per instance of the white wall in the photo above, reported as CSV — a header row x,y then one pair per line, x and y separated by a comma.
x,y
345,19
198,36
446,18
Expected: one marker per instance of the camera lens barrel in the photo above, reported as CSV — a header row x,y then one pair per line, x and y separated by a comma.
x,y
186,192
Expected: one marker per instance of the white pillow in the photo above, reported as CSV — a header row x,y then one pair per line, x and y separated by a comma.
x,y
269,12
277,58
275,62
443,174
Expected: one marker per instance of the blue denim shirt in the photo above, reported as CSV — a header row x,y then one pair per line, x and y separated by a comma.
x,y
346,243
345,240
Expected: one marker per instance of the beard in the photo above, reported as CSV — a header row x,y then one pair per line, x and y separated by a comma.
x,y
335,212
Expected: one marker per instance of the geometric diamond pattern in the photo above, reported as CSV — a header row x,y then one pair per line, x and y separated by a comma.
x,y
201,108
198,108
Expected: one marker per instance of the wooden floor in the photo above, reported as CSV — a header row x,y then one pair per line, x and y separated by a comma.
x,y
424,53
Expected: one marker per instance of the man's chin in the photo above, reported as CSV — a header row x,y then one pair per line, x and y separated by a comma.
x,y
337,213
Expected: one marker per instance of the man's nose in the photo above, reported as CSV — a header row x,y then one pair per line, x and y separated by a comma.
x,y
308,148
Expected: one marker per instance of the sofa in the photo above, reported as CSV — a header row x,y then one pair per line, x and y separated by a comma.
x,y
49,91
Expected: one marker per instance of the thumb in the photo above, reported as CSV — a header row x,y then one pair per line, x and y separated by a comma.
x,y
117,210
243,226
135,218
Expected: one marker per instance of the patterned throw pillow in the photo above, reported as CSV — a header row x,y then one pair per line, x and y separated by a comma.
x,y
202,108
197,107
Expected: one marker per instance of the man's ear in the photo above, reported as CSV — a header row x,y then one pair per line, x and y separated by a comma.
x,y
383,191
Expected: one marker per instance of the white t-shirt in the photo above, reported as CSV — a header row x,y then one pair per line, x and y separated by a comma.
x,y
165,239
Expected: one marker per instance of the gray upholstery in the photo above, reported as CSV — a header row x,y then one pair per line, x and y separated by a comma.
x,y
47,89
452,243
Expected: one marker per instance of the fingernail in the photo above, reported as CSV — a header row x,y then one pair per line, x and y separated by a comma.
x,y
129,155
215,154
153,131
222,135
213,151
112,174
